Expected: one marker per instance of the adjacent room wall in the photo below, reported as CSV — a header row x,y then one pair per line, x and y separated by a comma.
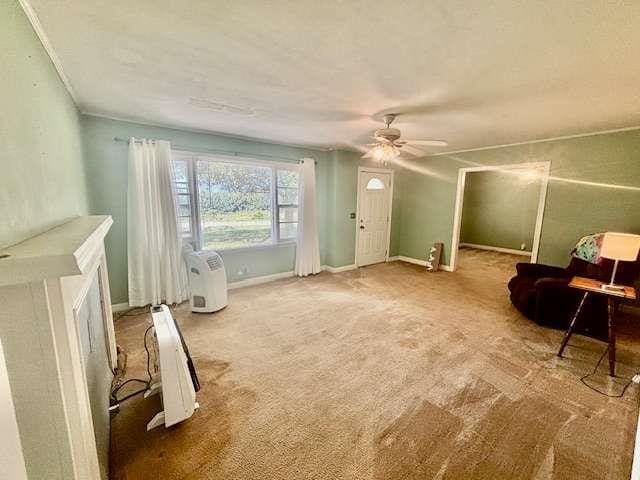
x,y
42,182
500,209
106,163
594,186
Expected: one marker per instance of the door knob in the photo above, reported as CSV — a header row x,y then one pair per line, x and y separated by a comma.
x,y
361,227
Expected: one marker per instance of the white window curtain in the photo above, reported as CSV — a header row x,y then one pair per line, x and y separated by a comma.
x,y
156,271
307,247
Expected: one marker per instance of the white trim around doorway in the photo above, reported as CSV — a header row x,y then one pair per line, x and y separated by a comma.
x,y
543,167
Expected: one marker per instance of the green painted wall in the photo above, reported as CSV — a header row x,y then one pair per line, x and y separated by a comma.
x,y
594,186
106,163
42,182
500,209
342,189
336,178
584,194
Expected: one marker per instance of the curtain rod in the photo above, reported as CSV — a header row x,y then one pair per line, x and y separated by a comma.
x,y
223,152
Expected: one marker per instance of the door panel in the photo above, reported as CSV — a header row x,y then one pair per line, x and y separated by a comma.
x,y
374,198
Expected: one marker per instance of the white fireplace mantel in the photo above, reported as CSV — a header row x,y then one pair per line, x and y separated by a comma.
x,y
62,251
56,329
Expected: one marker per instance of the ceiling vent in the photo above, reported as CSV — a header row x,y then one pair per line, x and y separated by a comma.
x,y
220,107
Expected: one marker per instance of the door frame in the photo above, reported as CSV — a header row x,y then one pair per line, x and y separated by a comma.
x,y
362,170
544,167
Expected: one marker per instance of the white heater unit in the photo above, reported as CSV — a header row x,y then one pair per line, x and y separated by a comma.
x,y
207,281
175,375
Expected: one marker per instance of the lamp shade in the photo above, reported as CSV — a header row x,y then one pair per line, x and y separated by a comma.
x,y
620,246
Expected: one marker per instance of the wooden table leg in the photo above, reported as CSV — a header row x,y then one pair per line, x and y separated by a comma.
x,y
572,325
611,310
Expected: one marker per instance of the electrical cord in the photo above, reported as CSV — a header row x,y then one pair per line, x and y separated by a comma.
x,y
146,348
147,383
133,312
584,377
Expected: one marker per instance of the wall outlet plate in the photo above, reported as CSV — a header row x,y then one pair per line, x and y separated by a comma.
x,y
243,270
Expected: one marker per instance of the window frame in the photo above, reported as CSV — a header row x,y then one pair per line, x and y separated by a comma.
x,y
278,205
194,238
196,227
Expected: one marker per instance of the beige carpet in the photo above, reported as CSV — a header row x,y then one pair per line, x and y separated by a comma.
x,y
385,372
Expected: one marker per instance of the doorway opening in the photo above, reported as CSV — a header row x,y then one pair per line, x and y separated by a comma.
x,y
373,214
498,214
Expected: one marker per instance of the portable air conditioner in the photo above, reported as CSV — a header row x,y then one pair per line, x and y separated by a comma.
x,y
175,378
207,280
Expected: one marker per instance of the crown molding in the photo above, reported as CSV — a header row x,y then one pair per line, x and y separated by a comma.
x,y
541,140
48,47
44,40
206,132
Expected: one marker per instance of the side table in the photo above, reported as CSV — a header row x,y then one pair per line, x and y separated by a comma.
x,y
595,287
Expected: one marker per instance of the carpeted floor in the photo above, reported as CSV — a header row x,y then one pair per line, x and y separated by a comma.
x,y
386,372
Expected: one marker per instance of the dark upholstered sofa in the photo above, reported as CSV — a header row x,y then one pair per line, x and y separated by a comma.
x,y
542,294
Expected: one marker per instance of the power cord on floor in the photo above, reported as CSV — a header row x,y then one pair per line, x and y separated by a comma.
x,y
132,312
595,370
147,383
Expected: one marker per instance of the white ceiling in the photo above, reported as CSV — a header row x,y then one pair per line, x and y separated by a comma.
x,y
322,72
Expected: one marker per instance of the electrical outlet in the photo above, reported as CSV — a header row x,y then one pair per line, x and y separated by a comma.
x,y
243,270
636,378
522,246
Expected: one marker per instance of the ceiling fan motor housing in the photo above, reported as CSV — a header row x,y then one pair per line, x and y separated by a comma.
x,y
388,134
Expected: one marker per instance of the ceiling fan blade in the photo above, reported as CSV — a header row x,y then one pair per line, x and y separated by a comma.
x,y
413,150
430,143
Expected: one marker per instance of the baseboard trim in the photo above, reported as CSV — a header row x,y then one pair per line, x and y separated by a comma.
x,y
258,280
512,251
417,261
119,307
344,268
279,276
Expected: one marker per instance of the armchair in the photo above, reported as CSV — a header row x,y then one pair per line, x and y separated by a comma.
x,y
541,293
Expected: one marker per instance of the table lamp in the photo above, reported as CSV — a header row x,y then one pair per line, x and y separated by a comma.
x,y
619,247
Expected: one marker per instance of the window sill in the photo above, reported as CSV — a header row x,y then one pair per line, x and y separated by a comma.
x,y
266,246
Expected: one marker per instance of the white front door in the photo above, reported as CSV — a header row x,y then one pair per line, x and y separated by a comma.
x,y
374,216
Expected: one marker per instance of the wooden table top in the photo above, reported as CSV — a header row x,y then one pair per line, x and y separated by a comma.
x,y
595,286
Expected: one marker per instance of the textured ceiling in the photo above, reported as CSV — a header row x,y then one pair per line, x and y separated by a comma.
x,y
322,72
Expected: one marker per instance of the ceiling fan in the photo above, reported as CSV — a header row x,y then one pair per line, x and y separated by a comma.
x,y
388,145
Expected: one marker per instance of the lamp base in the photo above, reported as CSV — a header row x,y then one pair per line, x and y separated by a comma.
x,y
612,287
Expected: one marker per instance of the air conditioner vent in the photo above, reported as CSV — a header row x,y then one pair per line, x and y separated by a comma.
x,y
214,262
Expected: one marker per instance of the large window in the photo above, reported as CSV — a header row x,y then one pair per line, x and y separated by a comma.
x,y
225,204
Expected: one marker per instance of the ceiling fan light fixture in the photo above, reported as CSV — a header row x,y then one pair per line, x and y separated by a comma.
x,y
385,152
388,144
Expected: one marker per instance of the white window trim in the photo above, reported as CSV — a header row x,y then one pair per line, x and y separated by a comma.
x,y
192,157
